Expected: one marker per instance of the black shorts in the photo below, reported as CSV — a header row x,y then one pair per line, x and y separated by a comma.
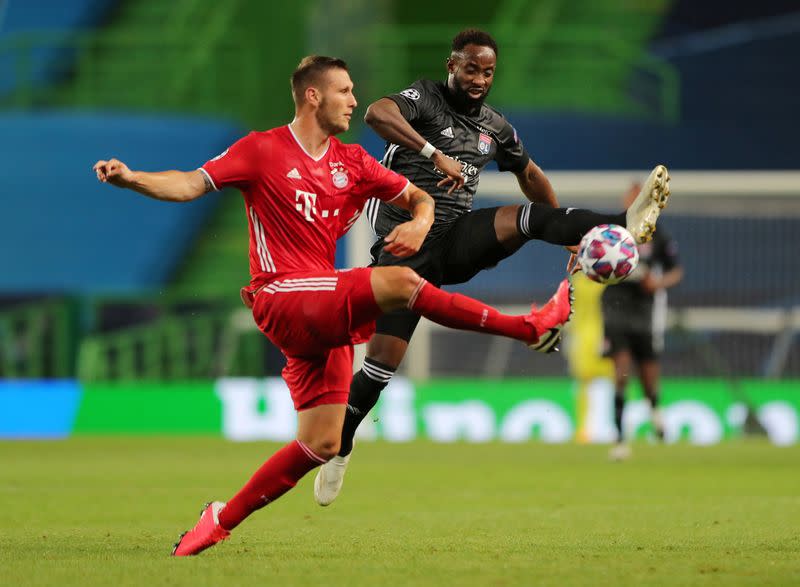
x,y
640,343
456,255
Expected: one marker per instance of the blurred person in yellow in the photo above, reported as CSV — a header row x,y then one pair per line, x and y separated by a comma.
x,y
634,318
587,365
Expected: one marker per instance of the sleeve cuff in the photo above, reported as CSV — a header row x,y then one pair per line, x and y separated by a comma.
x,y
211,179
400,193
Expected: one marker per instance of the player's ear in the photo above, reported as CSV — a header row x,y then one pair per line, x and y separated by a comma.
x,y
312,96
451,64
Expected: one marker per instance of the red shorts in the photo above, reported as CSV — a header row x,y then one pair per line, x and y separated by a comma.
x,y
315,318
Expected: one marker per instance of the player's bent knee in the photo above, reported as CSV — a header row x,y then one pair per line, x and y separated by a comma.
x,y
407,281
394,286
327,448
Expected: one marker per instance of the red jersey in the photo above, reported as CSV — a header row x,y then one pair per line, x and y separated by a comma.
x,y
298,205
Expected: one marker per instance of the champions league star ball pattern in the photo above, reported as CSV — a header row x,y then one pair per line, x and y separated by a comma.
x,y
608,254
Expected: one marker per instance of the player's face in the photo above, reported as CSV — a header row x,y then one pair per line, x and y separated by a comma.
x,y
471,73
337,102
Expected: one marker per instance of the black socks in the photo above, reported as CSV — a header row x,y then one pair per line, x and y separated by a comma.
x,y
364,393
560,226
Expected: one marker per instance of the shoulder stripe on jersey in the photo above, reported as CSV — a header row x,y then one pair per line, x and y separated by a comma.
x,y
267,264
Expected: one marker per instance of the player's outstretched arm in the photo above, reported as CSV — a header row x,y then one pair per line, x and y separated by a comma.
x,y
385,118
406,239
535,185
171,186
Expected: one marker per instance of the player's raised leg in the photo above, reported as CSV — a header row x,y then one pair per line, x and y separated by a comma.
x,y
397,287
514,225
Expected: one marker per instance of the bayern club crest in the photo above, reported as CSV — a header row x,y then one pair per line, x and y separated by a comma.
x,y
484,143
339,175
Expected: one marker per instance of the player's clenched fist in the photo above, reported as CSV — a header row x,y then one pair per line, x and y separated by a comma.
x,y
405,239
114,172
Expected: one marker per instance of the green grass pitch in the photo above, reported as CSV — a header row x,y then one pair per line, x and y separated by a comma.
x,y
105,511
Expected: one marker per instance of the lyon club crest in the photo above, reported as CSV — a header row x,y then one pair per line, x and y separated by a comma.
x,y
339,174
484,144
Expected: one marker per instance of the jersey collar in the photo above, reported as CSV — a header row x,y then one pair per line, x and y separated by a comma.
x,y
299,144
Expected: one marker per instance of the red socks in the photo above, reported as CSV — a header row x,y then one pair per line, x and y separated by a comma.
x,y
457,311
275,477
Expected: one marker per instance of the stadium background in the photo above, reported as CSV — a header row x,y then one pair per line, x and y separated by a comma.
x,y
119,314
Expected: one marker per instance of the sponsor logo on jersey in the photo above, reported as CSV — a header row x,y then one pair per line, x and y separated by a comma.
x,y
338,174
294,174
448,132
484,143
468,170
410,93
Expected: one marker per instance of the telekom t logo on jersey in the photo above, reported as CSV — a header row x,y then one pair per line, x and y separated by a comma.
x,y
306,203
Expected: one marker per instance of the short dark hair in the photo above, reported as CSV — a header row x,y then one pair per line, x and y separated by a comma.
x,y
473,37
309,71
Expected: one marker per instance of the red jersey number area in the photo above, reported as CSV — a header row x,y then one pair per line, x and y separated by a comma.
x,y
315,318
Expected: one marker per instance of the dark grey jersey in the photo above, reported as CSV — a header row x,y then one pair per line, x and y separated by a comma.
x,y
474,140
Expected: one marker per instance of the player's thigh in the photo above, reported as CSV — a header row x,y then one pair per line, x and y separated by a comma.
x,y
308,313
472,246
319,378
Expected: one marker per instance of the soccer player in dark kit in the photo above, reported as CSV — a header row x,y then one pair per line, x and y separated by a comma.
x,y
441,135
634,317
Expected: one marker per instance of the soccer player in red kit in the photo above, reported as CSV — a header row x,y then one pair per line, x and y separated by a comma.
x,y
303,189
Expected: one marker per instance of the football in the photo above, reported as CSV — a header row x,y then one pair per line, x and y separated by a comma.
x,y
608,253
